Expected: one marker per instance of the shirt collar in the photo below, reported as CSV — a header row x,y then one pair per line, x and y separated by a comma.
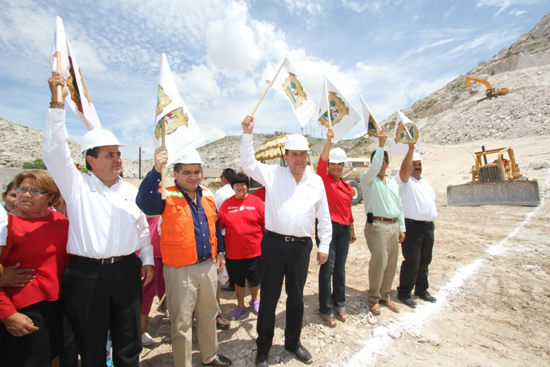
x,y
199,192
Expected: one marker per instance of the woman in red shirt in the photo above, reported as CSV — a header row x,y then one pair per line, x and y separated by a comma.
x,y
242,216
32,320
339,195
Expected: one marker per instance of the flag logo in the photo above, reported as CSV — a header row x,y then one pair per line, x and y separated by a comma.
x,y
372,130
338,110
73,87
294,90
402,136
173,120
162,100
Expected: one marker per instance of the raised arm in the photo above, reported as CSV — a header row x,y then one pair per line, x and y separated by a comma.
x,y
328,145
57,155
377,160
258,171
406,165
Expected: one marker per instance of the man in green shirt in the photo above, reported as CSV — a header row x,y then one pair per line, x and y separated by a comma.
x,y
385,227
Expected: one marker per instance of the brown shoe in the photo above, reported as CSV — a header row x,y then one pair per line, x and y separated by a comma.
x,y
374,308
389,304
222,324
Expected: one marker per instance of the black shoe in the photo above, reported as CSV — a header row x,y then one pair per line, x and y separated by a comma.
x,y
261,360
426,296
220,361
408,301
222,324
302,354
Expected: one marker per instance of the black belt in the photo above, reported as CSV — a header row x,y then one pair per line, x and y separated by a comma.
x,y
418,221
287,238
105,261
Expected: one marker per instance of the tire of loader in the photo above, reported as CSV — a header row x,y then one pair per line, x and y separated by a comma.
x,y
357,193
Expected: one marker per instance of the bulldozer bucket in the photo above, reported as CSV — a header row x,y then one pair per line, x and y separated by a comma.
x,y
513,192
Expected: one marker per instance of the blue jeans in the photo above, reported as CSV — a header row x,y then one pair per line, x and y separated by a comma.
x,y
334,268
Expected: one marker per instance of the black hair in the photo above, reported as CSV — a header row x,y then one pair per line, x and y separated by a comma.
x,y
9,187
228,174
92,152
240,177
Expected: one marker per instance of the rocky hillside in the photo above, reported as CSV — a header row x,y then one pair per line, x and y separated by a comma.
x,y
454,114
451,115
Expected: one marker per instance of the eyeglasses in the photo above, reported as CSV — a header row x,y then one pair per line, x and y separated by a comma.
x,y
34,192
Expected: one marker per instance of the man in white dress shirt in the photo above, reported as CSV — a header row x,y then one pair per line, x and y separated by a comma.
x,y
294,198
418,199
103,282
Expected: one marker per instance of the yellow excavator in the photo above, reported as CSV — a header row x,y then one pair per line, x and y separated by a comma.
x,y
490,92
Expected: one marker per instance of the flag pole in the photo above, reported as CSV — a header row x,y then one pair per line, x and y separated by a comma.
x,y
59,88
328,110
163,170
268,86
261,98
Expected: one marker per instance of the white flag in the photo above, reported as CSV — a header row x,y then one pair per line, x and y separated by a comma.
x,y
181,129
343,117
286,82
404,129
370,122
78,98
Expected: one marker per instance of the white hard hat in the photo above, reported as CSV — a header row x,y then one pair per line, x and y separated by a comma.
x,y
190,156
337,155
296,142
417,156
98,138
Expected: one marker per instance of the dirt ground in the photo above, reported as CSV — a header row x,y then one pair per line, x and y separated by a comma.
x,y
490,273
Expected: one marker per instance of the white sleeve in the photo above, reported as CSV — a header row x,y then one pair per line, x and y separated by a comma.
x,y
3,227
57,155
374,168
146,249
324,227
262,173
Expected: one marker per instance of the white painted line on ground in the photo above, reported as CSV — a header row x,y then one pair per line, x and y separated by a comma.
x,y
415,319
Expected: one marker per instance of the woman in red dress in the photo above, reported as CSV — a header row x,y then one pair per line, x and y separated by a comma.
x,y
31,327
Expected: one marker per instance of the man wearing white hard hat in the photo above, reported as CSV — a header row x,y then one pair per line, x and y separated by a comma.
x,y
339,195
294,198
193,252
418,199
103,282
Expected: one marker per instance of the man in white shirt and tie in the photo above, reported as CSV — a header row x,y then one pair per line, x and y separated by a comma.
x,y
294,198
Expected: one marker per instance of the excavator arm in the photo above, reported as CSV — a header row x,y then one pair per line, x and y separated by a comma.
x,y
490,92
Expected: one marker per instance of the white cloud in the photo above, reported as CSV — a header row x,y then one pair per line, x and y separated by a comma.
x,y
213,134
198,84
231,44
312,7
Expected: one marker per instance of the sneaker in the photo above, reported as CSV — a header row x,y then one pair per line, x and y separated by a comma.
x,y
255,306
110,363
238,313
146,339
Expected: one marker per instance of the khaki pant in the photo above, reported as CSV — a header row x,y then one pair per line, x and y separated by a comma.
x,y
192,290
383,242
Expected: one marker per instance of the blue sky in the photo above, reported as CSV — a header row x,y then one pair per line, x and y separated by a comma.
x,y
391,52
